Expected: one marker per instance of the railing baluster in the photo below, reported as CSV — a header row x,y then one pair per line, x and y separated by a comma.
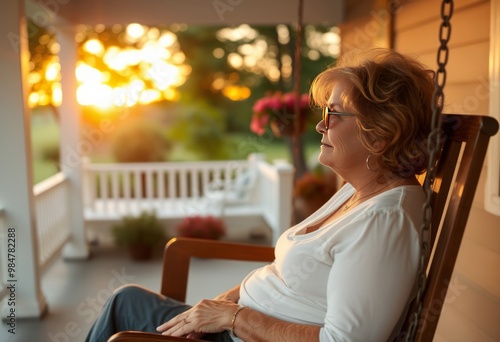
x,y
183,183
137,185
103,190
40,219
115,186
172,189
160,184
227,178
149,184
195,183
205,176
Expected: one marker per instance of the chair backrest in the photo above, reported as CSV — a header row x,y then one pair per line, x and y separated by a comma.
x,y
465,141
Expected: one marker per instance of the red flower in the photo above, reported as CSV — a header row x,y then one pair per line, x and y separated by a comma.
x,y
204,227
271,105
258,123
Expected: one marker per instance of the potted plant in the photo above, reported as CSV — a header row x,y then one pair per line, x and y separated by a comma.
x,y
277,111
202,227
312,190
140,234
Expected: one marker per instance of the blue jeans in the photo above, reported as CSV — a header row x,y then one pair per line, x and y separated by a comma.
x,y
133,307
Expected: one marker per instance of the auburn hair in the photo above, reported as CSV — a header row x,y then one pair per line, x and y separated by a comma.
x,y
391,96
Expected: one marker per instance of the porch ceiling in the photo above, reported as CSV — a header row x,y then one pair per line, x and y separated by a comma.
x,y
201,12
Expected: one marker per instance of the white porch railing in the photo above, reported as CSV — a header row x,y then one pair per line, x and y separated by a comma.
x,y
114,190
245,189
51,203
52,220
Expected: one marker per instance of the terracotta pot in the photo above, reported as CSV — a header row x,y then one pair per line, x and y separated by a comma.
x,y
140,252
305,207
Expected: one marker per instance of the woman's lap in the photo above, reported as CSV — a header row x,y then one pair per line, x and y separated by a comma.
x,y
136,308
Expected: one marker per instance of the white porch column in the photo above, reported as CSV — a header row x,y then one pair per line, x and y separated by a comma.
x,y
70,144
16,180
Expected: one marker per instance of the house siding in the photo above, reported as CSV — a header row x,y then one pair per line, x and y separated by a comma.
x,y
472,307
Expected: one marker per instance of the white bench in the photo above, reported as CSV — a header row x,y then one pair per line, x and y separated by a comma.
x,y
238,191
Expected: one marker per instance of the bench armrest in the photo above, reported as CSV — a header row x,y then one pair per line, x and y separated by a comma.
x,y
179,251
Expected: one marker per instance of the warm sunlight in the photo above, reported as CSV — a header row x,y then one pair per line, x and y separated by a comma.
x,y
123,66
144,70
99,95
236,93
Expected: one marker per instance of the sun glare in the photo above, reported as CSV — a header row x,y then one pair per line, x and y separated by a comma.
x,y
127,65
145,68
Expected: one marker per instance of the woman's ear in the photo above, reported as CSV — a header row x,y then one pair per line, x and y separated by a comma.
x,y
379,144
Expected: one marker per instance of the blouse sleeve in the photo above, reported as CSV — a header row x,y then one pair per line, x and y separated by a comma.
x,y
372,276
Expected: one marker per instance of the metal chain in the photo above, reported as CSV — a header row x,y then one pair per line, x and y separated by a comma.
x,y
434,146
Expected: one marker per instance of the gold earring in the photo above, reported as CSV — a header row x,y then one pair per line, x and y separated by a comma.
x,y
367,162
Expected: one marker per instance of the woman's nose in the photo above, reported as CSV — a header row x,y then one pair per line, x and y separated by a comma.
x,y
320,127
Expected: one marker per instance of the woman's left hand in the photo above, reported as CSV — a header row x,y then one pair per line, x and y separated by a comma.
x,y
208,316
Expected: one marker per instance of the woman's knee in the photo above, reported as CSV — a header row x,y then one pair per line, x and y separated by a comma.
x,y
129,293
129,290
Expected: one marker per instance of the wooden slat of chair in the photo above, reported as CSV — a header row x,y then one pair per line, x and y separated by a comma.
x,y
457,175
464,151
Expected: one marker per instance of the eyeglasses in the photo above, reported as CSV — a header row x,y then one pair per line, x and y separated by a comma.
x,y
326,115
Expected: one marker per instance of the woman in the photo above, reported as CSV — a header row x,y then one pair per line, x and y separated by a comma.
x,y
347,272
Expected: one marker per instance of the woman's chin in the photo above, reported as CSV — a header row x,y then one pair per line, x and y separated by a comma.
x,y
322,159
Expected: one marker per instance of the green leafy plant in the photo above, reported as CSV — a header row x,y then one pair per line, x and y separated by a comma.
x,y
140,234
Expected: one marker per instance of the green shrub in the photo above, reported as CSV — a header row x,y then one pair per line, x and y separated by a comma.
x,y
139,141
143,230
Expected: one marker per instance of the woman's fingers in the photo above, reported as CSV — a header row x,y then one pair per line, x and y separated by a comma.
x,y
176,323
208,316
175,328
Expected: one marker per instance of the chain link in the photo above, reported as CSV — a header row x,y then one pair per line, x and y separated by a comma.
x,y
434,146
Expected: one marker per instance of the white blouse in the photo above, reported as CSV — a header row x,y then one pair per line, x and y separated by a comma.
x,y
354,276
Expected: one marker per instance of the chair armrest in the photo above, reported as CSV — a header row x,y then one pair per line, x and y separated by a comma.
x,y
136,336
178,253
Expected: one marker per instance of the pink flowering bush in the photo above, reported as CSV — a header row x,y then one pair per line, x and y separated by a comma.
x,y
278,105
202,227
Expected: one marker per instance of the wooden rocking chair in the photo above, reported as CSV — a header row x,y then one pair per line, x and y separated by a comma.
x,y
458,168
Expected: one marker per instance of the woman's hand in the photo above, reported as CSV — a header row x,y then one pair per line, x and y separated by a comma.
x,y
208,316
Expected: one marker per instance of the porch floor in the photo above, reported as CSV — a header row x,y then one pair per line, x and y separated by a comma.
x,y
76,290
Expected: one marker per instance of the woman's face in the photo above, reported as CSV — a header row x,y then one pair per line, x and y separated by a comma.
x,y
341,149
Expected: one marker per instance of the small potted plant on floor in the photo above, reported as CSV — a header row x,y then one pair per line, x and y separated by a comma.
x,y
140,234
201,227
